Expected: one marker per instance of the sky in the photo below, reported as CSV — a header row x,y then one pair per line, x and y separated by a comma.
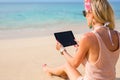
x,y
45,0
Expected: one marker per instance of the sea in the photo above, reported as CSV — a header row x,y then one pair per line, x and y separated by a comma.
x,y
36,15
44,16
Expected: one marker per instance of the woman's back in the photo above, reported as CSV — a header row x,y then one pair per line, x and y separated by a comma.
x,y
106,39
102,59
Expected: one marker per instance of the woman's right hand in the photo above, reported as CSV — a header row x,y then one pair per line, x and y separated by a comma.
x,y
77,45
58,46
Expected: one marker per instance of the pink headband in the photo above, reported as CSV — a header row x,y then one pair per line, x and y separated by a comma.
x,y
87,5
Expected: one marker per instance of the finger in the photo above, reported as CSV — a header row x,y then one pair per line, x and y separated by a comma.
x,y
57,42
56,39
44,65
76,41
76,45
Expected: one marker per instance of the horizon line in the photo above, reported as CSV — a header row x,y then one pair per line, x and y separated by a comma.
x,y
50,2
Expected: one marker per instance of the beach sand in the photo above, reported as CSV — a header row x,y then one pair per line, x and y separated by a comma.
x,y
22,58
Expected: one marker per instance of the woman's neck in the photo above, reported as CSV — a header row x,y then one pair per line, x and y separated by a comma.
x,y
97,25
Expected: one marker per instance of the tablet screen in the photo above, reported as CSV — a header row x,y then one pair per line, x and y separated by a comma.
x,y
66,38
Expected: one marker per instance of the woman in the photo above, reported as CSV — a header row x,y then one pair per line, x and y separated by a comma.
x,y
98,50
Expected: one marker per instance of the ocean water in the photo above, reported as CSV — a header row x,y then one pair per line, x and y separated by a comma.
x,y
37,15
41,15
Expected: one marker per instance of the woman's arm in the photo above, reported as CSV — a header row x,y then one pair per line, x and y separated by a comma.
x,y
80,54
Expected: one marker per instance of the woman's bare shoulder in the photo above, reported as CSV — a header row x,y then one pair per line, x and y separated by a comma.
x,y
88,37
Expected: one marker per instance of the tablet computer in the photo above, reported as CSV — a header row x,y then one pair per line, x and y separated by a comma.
x,y
66,38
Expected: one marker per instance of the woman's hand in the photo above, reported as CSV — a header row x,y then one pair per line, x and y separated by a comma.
x,y
58,46
77,45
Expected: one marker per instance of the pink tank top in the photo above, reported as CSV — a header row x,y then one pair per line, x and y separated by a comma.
x,y
104,68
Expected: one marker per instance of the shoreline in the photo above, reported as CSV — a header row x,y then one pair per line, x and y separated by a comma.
x,y
77,28
38,32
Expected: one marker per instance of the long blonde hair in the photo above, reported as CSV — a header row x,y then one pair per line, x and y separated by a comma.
x,y
103,12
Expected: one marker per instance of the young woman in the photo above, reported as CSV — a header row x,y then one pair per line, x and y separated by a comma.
x,y
98,50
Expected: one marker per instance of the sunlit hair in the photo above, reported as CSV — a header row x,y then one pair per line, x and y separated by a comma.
x,y
103,12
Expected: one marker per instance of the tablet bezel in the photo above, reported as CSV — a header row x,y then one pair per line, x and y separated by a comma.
x,y
66,38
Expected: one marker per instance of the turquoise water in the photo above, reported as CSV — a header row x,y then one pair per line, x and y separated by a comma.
x,y
37,15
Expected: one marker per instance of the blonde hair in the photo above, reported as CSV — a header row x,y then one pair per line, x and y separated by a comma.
x,y
103,12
